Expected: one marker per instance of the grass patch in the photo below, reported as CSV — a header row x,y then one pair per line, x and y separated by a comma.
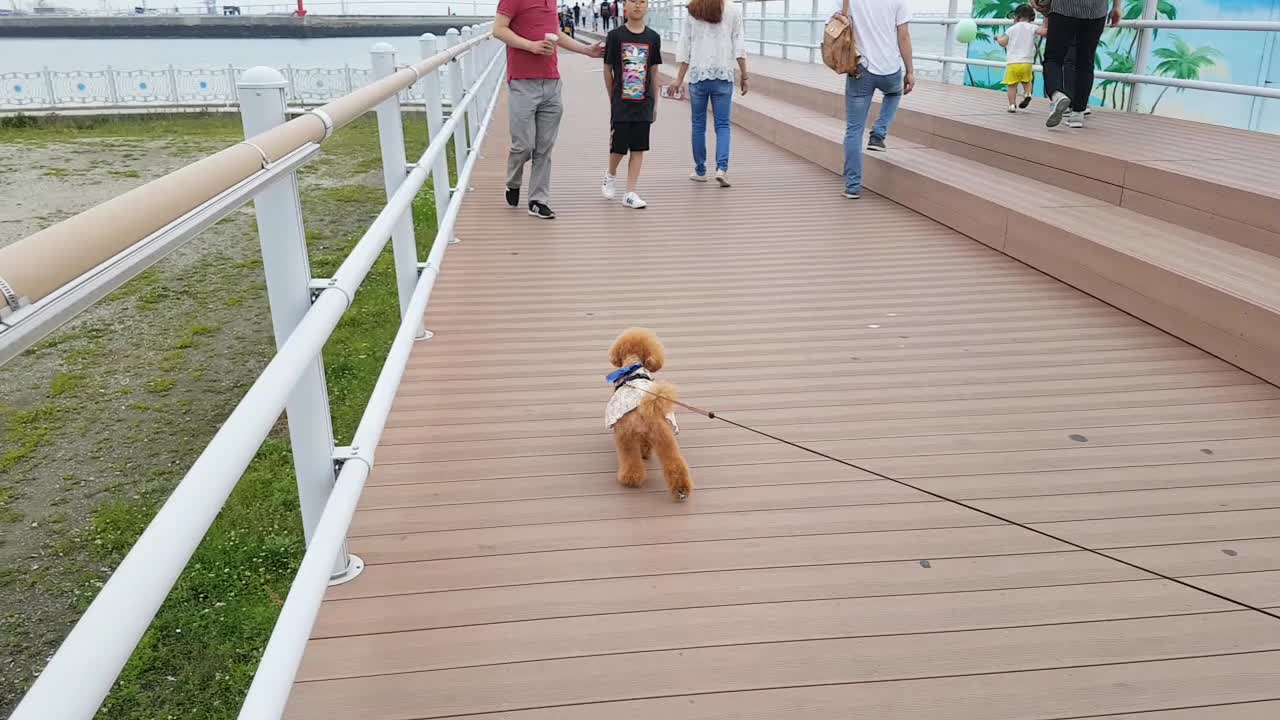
x,y
8,496
192,127
56,172
22,432
197,659
65,383
160,385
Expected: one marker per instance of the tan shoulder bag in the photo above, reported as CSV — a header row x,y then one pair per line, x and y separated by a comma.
x,y
839,44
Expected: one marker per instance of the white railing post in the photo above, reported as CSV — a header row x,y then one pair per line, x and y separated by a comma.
x,y
435,120
288,274
786,28
471,69
815,32
404,245
949,40
455,98
1143,49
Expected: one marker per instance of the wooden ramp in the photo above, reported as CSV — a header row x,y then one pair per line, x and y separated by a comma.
x,y
510,576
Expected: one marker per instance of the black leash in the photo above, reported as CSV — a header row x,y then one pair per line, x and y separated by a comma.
x,y
713,416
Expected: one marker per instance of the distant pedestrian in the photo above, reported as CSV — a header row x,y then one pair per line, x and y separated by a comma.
x,y
630,55
711,54
529,30
884,42
1073,24
1020,46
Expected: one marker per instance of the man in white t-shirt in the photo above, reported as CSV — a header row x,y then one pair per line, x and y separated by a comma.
x,y
884,43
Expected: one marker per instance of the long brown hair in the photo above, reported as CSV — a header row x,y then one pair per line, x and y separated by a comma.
x,y
709,11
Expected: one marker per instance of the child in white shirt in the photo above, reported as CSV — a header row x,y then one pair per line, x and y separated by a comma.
x,y
1020,43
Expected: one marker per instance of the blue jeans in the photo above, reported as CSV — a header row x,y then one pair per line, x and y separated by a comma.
x,y
720,93
857,105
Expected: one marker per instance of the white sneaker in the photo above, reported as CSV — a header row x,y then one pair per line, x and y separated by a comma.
x,y
608,189
633,201
1058,106
694,176
1013,108
723,178
1075,120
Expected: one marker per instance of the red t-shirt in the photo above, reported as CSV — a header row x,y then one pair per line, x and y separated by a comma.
x,y
531,20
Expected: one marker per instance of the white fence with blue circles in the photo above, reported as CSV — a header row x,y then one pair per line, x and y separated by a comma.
x,y
170,87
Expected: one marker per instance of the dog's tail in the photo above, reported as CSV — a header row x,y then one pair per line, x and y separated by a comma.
x,y
659,401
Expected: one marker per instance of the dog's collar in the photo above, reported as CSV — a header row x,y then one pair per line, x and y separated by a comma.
x,y
622,376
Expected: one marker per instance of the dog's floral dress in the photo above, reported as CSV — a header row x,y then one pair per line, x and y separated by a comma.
x,y
630,386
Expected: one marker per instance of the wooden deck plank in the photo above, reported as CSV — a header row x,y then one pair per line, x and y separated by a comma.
x,y
746,624
510,576
709,556
346,616
1031,695
613,678
1260,589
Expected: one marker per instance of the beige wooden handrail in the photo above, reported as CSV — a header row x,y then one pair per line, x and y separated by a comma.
x,y
41,263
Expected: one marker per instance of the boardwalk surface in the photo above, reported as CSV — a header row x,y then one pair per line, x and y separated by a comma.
x,y
510,576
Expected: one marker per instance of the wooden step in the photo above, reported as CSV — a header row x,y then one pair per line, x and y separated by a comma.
x,y
1218,181
1216,294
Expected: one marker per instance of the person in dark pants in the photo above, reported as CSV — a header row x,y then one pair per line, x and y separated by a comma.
x,y
1074,24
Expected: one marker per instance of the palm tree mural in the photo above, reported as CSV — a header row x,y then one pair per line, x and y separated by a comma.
x,y
1183,62
1118,62
1165,10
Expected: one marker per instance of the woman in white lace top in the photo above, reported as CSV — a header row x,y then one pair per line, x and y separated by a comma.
x,y
711,56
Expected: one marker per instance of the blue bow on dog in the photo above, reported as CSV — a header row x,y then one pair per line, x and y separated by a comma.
x,y
620,373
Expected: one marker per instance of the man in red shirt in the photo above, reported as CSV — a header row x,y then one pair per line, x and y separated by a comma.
x,y
531,31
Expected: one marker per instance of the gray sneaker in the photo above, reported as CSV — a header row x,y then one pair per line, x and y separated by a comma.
x,y
1058,106
876,144
1075,120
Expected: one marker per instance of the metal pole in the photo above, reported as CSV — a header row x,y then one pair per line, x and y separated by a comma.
x,y
814,32
455,96
786,27
288,275
949,40
1145,36
470,71
435,119
391,140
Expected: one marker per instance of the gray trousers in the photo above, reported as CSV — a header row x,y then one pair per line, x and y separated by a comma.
x,y
535,109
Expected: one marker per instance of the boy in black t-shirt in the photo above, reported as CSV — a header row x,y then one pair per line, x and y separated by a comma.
x,y
630,54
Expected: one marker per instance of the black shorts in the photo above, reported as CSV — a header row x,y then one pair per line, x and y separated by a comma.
x,y
628,137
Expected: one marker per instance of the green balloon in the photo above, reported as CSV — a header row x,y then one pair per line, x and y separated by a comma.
x,y
966,31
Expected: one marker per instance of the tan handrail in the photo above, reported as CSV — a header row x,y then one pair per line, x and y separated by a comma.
x,y
43,262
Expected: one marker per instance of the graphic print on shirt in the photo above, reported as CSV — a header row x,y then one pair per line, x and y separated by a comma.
x,y
635,70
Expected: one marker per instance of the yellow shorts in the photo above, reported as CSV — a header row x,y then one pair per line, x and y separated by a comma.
x,y
1018,73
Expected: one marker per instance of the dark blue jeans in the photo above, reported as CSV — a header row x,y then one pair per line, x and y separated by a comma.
x,y
720,95
857,105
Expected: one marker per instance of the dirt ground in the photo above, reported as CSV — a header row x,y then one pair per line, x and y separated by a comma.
x,y
114,406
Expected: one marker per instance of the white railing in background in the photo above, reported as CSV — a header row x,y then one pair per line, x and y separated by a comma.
x,y
305,311
670,16
172,88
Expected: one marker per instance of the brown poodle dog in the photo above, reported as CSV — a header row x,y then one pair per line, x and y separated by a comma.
x,y
641,413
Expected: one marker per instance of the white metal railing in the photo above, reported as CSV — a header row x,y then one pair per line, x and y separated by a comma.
x,y
304,312
670,15
169,87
